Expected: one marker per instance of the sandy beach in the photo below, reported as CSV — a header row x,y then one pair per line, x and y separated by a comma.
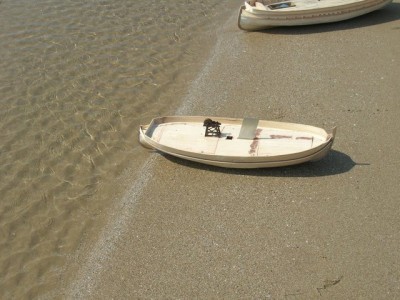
x,y
326,230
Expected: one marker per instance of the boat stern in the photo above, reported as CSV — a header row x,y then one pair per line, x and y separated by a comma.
x,y
324,152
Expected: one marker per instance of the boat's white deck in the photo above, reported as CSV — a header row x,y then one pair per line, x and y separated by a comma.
x,y
269,141
302,5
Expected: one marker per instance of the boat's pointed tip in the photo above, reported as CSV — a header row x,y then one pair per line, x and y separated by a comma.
x,y
142,137
333,131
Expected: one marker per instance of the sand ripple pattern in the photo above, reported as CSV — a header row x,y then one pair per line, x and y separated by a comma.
x,y
76,78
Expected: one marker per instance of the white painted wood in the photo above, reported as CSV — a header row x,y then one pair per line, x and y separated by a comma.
x,y
303,12
274,143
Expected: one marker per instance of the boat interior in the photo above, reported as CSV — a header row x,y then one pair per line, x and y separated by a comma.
x,y
234,139
279,5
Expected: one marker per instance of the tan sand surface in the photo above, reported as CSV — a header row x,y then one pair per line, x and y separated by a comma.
x,y
329,229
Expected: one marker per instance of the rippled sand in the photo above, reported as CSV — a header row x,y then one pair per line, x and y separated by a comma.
x,y
76,80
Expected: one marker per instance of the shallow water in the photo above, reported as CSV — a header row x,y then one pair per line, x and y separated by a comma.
x,y
76,80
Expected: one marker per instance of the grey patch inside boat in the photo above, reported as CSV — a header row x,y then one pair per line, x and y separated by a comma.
x,y
248,129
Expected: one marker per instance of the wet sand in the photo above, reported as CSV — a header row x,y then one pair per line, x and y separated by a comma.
x,y
329,229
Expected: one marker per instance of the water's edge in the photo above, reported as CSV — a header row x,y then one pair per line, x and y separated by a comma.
x,y
92,259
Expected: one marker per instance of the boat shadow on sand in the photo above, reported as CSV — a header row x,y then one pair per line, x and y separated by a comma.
x,y
334,163
387,14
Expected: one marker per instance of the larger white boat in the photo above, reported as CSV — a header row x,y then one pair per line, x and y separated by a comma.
x,y
262,14
236,143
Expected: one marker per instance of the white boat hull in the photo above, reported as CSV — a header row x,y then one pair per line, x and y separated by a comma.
x,y
306,13
277,144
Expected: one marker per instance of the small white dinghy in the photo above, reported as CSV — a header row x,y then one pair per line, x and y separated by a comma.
x,y
236,143
262,14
